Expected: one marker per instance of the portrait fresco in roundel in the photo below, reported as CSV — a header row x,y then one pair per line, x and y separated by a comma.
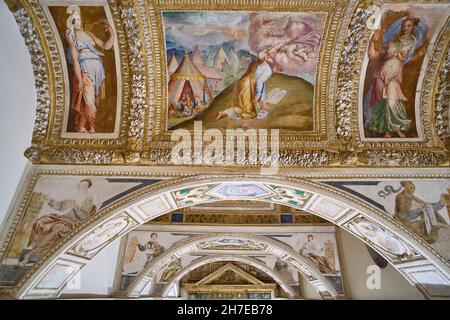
x,y
242,69
396,57
87,41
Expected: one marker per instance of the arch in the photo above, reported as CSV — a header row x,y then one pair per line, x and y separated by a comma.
x,y
216,258
158,199
301,264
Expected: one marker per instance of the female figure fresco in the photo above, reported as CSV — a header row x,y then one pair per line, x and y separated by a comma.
x,y
48,230
88,71
384,103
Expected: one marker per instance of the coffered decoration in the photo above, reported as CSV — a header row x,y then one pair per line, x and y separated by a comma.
x,y
240,213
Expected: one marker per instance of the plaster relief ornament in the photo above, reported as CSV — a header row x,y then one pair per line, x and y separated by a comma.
x,y
138,84
101,235
173,267
240,191
373,22
231,244
282,267
442,118
289,196
38,61
301,268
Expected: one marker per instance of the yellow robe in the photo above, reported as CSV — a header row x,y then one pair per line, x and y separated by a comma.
x,y
244,103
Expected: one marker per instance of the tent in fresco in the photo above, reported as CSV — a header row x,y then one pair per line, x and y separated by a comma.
x,y
221,60
197,57
188,80
214,77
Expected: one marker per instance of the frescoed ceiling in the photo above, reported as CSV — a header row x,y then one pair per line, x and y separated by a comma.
x,y
222,121
346,83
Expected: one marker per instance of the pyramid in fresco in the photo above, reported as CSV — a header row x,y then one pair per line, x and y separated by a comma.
x,y
173,64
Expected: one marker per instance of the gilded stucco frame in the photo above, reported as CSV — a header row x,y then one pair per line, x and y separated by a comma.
x,y
291,138
143,139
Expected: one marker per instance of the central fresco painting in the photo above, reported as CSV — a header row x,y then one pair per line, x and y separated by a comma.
x,y
242,69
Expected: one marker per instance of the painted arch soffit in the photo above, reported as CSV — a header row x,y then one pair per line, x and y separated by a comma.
x,y
145,77
262,244
30,261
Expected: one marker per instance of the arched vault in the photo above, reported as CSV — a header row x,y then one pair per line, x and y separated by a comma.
x,y
275,248
219,258
407,253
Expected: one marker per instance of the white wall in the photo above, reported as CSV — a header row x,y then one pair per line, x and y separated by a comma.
x,y
17,108
356,259
97,277
307,291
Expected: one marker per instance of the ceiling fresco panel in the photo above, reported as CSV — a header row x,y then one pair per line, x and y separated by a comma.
x,y
93,97
328,79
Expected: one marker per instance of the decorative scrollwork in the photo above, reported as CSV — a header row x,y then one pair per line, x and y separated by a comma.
x,y
442,99
138,80
347,75
404,158
75,155
39,64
